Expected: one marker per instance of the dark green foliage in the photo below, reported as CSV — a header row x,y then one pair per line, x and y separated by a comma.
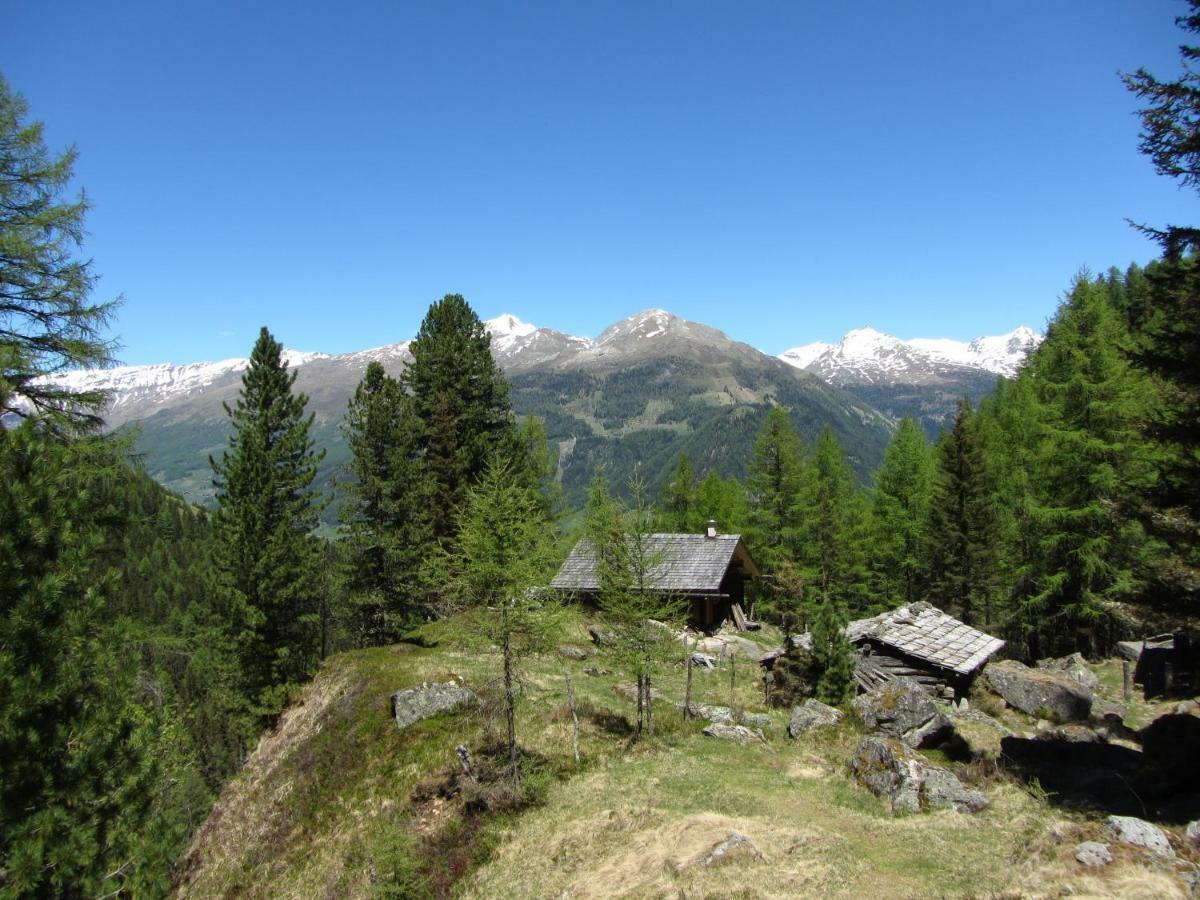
x,y
720,500
460,407
47,323
964,561
676,509
385,511
832,655
775,484
1094,468
266,512
900,516
836,522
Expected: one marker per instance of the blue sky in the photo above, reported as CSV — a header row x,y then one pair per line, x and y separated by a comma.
x,y
782,171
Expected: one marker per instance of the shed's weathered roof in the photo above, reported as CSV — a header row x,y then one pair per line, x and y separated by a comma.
x,y
689,563
925,632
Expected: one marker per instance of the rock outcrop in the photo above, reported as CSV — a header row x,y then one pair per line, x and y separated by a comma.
x,y
1037,692
812,714
415,704
1074,668
903,709
890,769
1139,833
739,733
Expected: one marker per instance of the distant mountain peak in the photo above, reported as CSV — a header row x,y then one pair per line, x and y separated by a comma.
x,y
866,355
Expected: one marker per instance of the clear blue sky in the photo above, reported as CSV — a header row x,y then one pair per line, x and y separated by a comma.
x,y
783,171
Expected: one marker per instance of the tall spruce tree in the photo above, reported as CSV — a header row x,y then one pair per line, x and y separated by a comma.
x,y
964,556
775,486
266,511
47,321
1093,468
384,512
900,515
460,407
835,522
677,505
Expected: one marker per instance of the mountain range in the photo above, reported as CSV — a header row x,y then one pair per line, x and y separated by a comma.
x,y
647,388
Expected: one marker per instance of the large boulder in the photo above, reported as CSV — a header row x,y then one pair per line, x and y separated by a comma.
x,y
1038,692
739,733
726,716
905,710
812,714
1074,668
724,646
415,704
890,769
1139,833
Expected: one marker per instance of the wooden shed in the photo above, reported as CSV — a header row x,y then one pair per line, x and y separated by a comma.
x,y
916,641
1166,664
709,570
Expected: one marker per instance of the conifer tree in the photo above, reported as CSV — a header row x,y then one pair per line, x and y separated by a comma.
x,y
629,568
47,322
775,485
900,514
77,757
964,555
836,519
832,655
676,510
266,511
502,555
384,512
1093,470
460,407
722,500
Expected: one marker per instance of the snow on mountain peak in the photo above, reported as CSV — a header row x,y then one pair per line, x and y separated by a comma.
x,y
872,355
507,324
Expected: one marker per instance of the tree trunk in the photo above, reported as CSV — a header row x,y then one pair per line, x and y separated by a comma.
x,y
509,711
687,692
574,719
649,707
640,697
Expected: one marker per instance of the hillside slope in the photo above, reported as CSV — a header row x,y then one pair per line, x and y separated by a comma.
x,y
338,802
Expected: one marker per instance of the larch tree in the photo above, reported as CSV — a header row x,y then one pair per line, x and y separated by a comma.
x,y
964,555
835,522
677,503
48,322
899,514
775,485
266,512
502,555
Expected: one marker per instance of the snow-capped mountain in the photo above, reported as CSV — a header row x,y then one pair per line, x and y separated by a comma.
x,y
867,356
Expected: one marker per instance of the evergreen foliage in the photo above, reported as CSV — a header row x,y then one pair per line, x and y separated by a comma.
x,y
834,551
775,484
460,408
47,322
1094,468
832,655
676,509
266,512
385,512
964,555
900,516
722,500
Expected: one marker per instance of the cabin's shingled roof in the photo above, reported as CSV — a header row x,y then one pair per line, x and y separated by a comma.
x,y
690,563
925,632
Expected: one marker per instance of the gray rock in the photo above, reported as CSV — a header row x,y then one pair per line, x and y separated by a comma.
x,y
905,710
1093,853
703,661
724,646
1037,692
1074,667
570,651
415,704
890,769
1139,833
739,733
812,714
1193,833
1070,734
736,846
725,716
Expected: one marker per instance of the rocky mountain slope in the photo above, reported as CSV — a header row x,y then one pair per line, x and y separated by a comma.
x,y
923,377
649,387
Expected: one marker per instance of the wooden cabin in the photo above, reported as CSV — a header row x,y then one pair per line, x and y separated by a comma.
x,y
1166,664
917,641
708,570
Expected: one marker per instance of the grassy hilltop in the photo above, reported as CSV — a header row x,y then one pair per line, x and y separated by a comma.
x,y
337,802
